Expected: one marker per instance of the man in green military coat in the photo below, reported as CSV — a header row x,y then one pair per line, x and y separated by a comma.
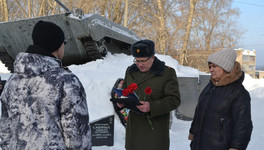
x,y
150,130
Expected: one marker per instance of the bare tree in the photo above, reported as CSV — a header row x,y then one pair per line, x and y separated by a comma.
x,y
187,33
29,8
1,10
4,10
176,26
154,22
126,15
212,19
21,9
162,29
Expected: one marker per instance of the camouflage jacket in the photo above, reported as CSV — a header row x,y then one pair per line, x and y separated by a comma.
x,y
43,107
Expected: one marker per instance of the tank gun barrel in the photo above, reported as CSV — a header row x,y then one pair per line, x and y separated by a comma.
x,y
62,5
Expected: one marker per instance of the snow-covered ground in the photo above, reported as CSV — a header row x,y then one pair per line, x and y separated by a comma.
x,y
98,78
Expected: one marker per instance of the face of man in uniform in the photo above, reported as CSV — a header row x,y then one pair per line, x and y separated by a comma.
x,y
144,63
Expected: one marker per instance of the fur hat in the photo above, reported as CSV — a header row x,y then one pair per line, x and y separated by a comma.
x,y
143,48
224,58
47,35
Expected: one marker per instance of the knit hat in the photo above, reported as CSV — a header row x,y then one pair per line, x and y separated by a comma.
x,y
224,58
47,35
143,48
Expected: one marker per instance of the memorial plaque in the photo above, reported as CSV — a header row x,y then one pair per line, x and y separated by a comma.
x,y
103,131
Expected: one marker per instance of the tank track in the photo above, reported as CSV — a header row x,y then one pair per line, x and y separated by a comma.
x,y
7,60
95,50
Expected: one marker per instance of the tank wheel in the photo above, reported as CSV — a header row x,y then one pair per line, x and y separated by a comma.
x,y
103,51
92,50
95,50
102,48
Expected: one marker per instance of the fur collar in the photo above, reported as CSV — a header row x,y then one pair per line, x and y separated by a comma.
x,y
231,77
157,67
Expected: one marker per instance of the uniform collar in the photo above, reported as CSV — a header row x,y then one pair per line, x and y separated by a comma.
x,y
157,67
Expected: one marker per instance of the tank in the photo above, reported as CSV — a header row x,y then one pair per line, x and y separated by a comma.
x,y
89,37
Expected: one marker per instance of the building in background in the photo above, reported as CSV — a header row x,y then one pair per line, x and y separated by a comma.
x,y
247,59
259,74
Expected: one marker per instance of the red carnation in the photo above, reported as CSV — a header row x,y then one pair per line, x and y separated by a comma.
x,y
148,90
132,87
125,92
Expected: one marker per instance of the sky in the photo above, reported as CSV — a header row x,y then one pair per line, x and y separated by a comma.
x,y
98,78
252,21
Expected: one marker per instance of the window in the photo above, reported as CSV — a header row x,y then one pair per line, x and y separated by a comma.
x,y
245,58
251,67
252,58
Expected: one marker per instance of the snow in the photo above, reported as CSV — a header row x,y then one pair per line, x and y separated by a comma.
x,y
3,69
99,76
247,52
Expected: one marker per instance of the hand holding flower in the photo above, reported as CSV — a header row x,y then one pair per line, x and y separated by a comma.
x,y
145,107
125,92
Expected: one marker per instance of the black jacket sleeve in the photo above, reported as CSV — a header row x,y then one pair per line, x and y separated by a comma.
x,y
242,124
